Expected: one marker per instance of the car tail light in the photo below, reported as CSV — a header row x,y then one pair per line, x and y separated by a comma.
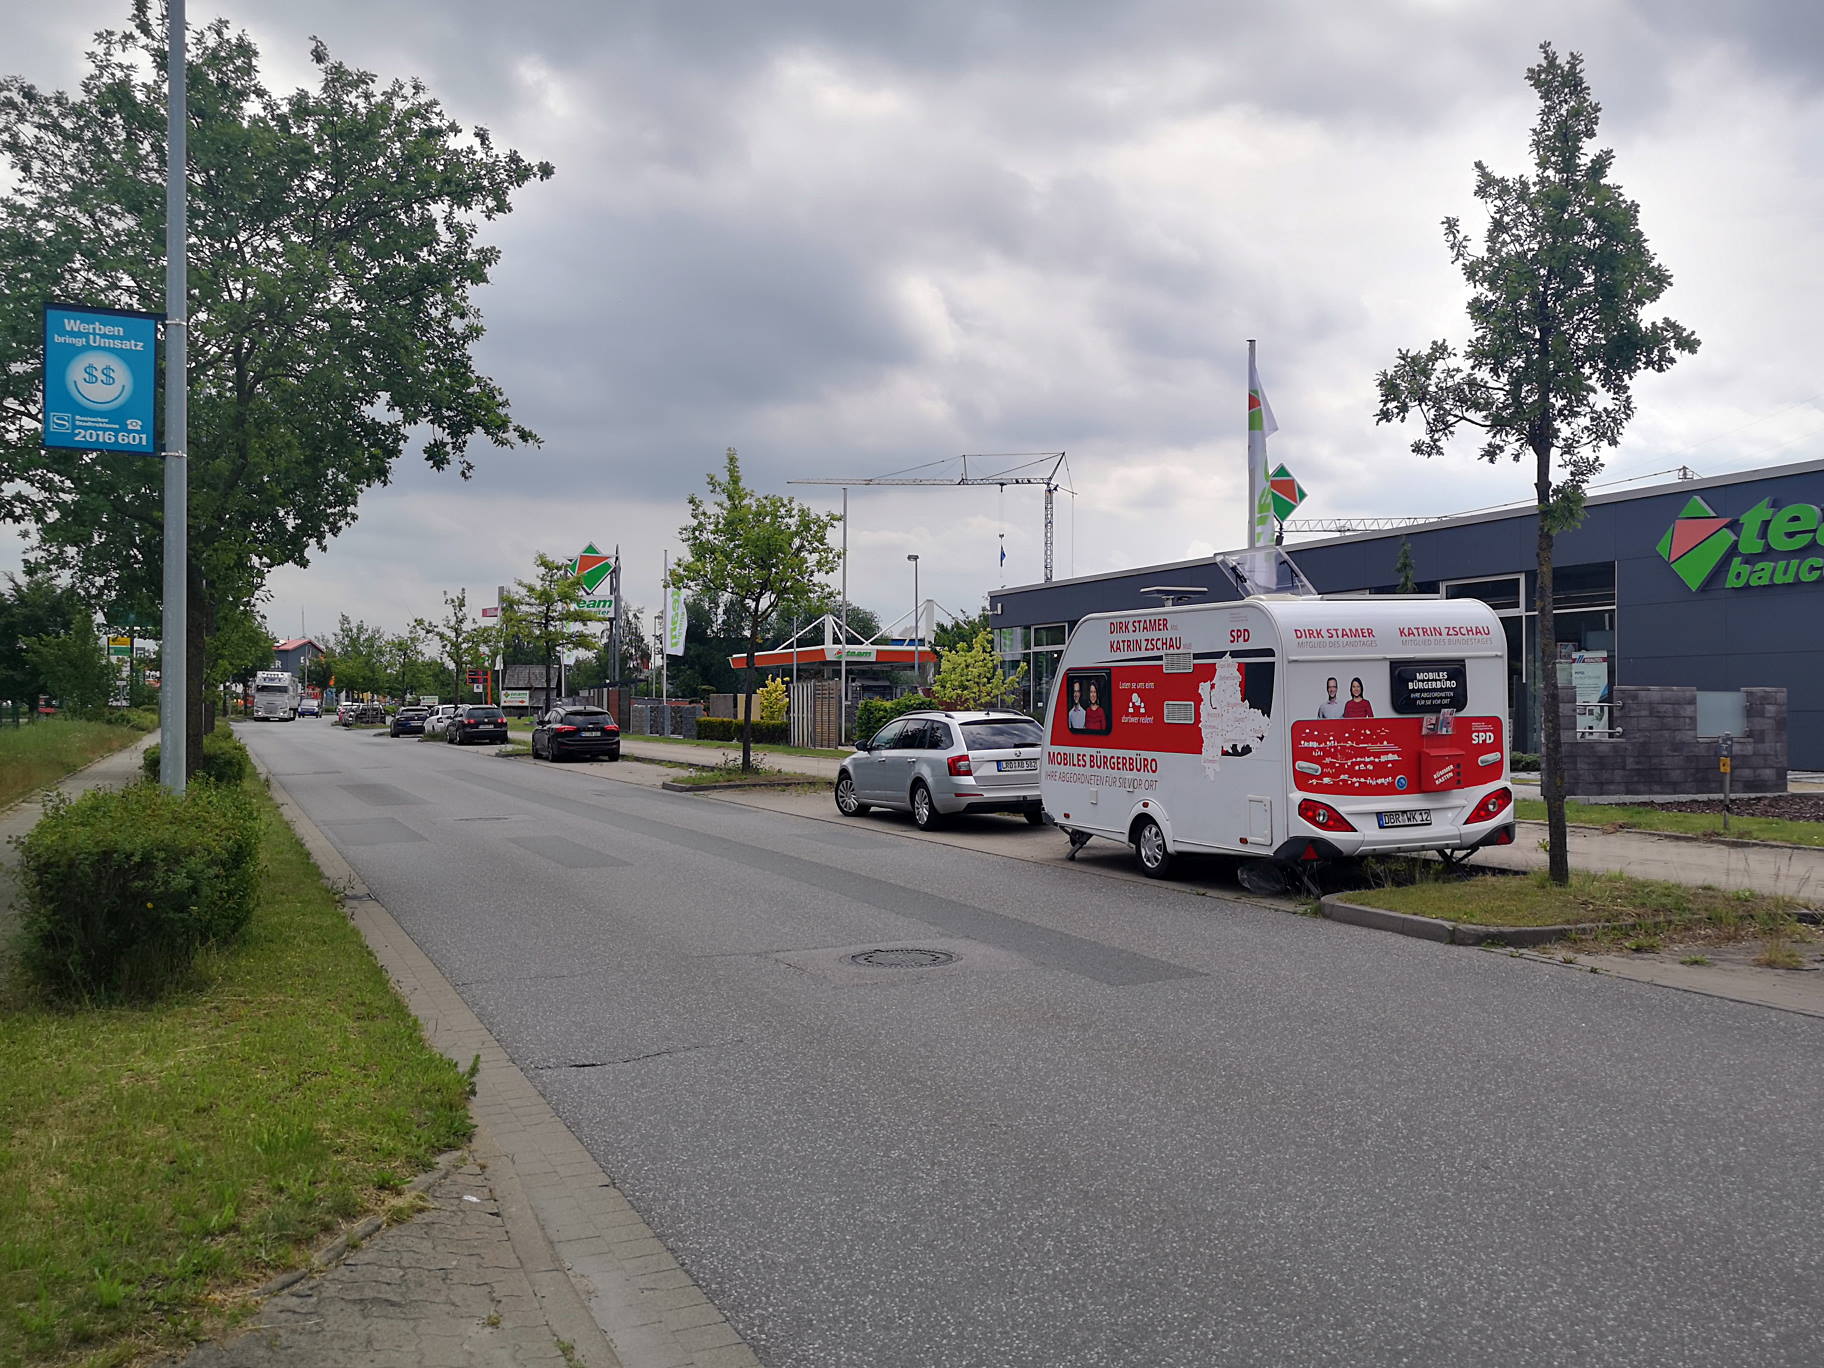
x,y
611,728
1323,816
564,730
959,764
1492,806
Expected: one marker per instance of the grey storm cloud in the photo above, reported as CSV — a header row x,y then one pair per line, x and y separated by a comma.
x,y
850,238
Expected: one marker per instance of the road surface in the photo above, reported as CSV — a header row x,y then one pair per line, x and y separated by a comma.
x,y
1129,1125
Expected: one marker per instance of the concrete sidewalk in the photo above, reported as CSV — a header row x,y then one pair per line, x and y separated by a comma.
x,y
1792,871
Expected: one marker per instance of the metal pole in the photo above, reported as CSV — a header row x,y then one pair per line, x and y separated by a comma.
x,y
917,663
173,684
665,647
842,649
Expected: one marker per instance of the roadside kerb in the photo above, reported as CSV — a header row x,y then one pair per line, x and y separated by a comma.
x,y
1336,907
603,1279
784,781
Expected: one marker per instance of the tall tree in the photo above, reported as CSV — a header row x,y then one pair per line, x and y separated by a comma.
x,y
1403,567
547,611
969,675
36,606
960,632
74,665
1558,291
356,654
240,646
463,643
334,256
757,551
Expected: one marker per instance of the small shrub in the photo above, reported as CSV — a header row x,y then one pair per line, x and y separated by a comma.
x,y
729,729
139,719
225,759
875,713
1521,762
120,888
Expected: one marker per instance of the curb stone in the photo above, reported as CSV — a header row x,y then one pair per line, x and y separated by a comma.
x,y
1336,907
603,1279
794,781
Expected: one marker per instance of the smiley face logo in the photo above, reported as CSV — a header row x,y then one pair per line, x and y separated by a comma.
x,y
100,381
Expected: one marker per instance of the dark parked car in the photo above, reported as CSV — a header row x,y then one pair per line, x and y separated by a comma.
x,y
577,730
477,722
409,721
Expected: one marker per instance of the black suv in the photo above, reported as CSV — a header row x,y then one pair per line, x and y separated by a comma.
x,y
409,721
478,722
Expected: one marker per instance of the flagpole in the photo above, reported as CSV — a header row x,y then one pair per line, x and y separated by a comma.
x,y
665,647
1256,462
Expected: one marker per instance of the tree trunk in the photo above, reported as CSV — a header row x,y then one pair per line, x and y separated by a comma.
x,y
199,618
1558,856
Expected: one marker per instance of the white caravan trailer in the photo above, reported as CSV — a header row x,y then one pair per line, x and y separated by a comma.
x,y
1296,729
275,696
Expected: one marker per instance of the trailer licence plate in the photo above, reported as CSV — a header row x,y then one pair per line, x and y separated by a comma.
x,y
1411,817
1017,764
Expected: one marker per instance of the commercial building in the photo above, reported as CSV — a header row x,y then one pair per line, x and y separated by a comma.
x,y
1715,584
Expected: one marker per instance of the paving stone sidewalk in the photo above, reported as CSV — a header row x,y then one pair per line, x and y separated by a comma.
x,y
445,1289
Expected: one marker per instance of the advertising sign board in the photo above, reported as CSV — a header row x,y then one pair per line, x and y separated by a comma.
x,y
100,368
516,698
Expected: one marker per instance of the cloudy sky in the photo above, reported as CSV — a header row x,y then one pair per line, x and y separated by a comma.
x,y
851,237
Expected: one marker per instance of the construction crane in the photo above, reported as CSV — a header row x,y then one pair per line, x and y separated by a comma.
x,y
1010,475
1682,472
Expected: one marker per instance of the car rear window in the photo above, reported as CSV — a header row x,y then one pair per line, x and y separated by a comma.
x,y
1001,734
485,712
590,713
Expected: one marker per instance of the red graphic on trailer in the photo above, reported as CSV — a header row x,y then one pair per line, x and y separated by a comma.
x,y
1395,755
1217,707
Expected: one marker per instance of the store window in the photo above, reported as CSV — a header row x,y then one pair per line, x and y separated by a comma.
x,y
1502,594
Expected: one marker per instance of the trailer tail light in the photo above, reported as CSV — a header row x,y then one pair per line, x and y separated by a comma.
x,y
1505,836
1323,816
959,765
1492,806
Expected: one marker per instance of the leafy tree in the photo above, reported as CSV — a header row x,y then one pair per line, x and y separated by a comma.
x,y
74,665
822,599
1558,291
756,552
462,643
959,631
1403,567
773,700
356,654
970,676
240,646
36,606
547,612
334,254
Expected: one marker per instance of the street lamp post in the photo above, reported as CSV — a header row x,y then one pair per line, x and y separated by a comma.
x,y
918,664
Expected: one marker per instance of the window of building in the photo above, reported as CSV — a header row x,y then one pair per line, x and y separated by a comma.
x,y
1501,594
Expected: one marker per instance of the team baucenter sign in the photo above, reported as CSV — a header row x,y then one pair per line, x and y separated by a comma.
x,y
594,569
1765,545
100,368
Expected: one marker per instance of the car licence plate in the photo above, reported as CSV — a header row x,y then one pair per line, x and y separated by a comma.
x,y
1016,764
1411,817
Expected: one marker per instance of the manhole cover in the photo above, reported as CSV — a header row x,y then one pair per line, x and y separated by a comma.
x,y
903,959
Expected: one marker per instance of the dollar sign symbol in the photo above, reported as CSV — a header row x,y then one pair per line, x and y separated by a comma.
x,y
107,375
88,375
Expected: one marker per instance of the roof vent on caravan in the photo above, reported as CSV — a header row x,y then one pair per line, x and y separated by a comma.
x,y
1265,572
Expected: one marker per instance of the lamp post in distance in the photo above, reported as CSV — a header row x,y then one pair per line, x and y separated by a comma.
x,y
918,663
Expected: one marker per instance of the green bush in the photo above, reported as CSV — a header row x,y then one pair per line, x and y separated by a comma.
x,y
120,888
225,759
875,713
139,719
1521,763
729,729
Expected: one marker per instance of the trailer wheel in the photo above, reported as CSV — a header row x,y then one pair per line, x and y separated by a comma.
x,y
1151,850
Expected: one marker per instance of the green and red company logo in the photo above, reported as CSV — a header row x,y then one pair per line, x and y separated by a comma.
x,y
1699,541
592,567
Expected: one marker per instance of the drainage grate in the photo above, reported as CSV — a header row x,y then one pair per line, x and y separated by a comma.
x,y
903,959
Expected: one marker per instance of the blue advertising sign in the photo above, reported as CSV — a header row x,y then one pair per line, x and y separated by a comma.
x,y
100,371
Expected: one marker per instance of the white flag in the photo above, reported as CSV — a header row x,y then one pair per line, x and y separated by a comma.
x,y
676,622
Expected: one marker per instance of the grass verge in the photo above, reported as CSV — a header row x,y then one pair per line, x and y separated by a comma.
x,y
686,743
1614,818
1533,900
38,755
161,1157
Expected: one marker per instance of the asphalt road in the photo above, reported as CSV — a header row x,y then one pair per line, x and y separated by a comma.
x,y
1130,1125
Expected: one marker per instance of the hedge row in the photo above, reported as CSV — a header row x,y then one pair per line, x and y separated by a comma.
x,y
225,759
875,713
729,729
122,887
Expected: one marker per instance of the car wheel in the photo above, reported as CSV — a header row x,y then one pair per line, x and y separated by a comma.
x,y
1150,849
614,755
1035,817
846,801
925,815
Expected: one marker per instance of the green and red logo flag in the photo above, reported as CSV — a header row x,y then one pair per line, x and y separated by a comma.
x,y
1287,492
1696,542
592,567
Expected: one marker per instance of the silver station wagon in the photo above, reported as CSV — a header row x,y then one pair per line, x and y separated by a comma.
x,y
935,764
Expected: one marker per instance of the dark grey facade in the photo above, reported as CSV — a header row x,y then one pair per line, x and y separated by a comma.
x,y
1755,620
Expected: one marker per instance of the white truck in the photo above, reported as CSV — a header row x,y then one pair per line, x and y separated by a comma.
x,y
1288,727
275,696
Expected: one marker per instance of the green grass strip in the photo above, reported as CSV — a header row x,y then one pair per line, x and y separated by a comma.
x,y
1692,823
157,1157
525,724
40,753
1533,900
